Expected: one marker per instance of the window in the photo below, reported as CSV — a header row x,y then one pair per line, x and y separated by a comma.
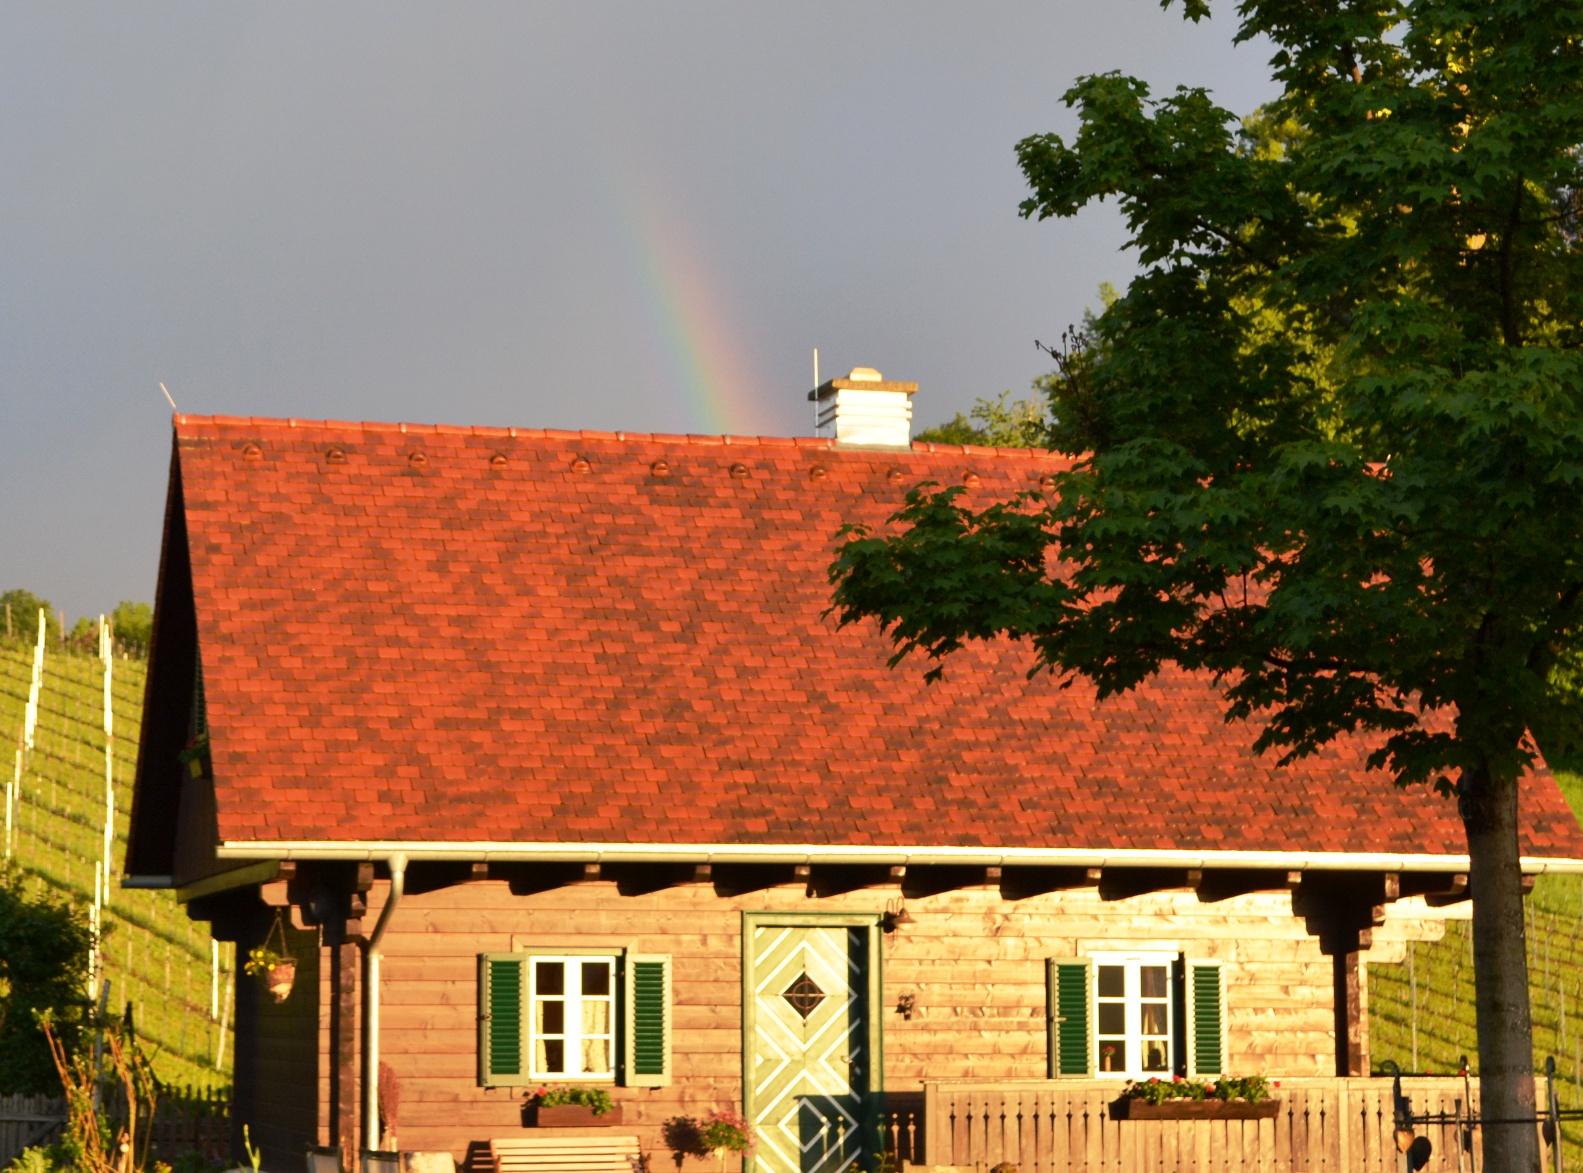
x,y
1132,1014
574,1015
571,1017
1135,1015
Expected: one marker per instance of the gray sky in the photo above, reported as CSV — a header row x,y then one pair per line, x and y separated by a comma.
x,y
635,216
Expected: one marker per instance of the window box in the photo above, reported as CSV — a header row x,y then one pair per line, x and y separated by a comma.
x,y
1125,1109
568,1116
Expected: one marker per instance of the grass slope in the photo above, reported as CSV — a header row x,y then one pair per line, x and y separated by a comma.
x,y
1421,1011
154,957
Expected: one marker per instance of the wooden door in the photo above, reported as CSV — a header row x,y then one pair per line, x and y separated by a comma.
x,y
809,1050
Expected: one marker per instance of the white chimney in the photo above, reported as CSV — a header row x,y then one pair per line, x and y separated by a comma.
x,y
867,411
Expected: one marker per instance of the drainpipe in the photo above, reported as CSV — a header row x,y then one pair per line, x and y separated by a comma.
x,y
371,956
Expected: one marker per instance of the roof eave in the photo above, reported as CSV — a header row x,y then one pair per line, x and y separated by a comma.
x,y
920,856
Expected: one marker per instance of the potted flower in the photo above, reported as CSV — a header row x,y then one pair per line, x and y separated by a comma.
x,y
567,1105
1228,1097
718,1134
279,970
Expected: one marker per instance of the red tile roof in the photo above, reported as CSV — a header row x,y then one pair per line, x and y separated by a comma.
x,y
469,634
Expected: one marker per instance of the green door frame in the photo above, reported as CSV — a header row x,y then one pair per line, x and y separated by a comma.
x,y
874,1036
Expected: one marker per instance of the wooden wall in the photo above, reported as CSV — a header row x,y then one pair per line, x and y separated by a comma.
x,y
277,1059
973,960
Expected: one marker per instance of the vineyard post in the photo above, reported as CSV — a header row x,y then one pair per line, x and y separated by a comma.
x,y
93,927
225,1016
13,788
1412,985
109,753
30,718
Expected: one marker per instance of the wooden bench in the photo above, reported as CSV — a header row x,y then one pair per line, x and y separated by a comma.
x,y
547,1153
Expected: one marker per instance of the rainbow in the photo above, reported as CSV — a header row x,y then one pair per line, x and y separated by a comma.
x,y
707,359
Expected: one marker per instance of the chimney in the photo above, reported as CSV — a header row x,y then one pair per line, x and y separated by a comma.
x,y
867,411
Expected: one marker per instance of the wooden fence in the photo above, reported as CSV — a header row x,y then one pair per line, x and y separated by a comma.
x,y
27,1121
185,1120
1321,1126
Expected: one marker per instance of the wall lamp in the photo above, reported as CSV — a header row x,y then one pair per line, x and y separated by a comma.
x,y
895,915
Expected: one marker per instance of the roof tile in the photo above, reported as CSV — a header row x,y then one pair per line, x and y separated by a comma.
x,y
521,652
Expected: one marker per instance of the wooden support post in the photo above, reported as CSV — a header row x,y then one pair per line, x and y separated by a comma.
x,y
1352,1011
345,1102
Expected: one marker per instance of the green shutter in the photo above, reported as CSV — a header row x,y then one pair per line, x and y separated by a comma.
x,y
648,1042
1070,999
500,1019
1206,1019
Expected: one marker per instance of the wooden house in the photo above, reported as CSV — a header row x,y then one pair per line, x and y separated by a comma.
x,y
544,754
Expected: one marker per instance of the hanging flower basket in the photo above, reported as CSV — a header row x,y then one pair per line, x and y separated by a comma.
x,y
277,967
280,978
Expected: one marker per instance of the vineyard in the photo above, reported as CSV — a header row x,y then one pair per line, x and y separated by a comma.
x,y
153,958
1421,1011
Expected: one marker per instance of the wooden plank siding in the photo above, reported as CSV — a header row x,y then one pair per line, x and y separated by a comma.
x,y
278,1057
972,959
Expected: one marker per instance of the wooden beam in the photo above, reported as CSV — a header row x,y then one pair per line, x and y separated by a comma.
x,y
1122,883
1217,884
834,879
933,879
1338,904
639,879
1018,883
436,875
237,914
738,879
333,895
527,878
1433,886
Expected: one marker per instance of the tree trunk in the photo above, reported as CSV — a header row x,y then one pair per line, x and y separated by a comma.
x,y
1500,967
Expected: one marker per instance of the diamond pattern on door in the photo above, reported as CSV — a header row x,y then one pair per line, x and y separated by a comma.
x,y
809,1054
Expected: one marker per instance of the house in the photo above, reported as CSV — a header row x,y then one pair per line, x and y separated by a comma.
x,y
541,753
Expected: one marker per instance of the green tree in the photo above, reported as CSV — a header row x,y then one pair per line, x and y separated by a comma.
x,y
43,970
24,606
1001,422
1328,447
132,625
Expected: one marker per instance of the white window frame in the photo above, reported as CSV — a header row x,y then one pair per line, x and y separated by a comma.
x,y
1132,1001
572,1035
